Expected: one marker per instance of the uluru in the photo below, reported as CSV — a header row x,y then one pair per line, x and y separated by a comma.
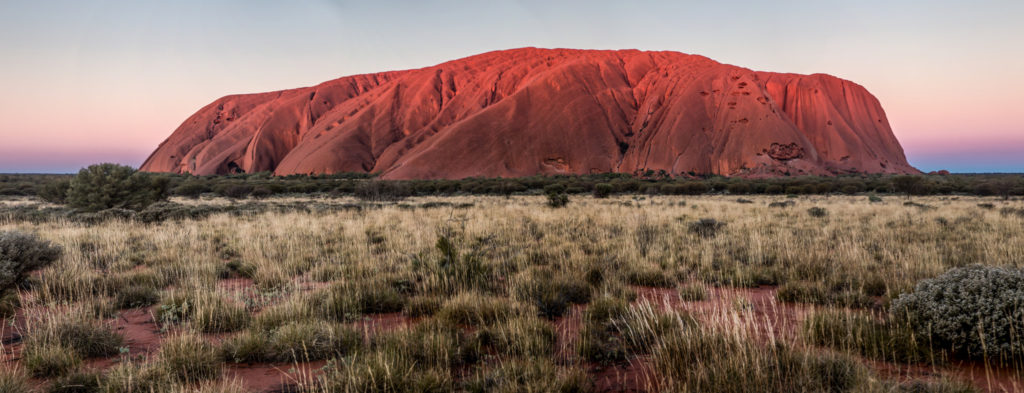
x,y
536,111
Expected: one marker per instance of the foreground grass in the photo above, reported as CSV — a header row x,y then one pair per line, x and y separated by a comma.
x,y
485,285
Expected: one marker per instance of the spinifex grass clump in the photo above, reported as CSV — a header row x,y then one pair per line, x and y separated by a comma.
x,y
873,336
974,311
292,342
706,360
551,293
188,358
206,311
77,332
706,227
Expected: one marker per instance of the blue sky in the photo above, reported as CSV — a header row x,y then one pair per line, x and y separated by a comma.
x,y
89,81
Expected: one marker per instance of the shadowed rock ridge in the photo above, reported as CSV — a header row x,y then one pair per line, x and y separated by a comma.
x,y
534,111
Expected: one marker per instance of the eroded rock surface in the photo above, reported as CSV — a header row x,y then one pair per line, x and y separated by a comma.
x,y
545,111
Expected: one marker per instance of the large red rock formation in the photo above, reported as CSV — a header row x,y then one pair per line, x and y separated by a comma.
x,y
545,111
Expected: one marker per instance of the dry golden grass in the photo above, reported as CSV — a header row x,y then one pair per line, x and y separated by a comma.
x,y
321,269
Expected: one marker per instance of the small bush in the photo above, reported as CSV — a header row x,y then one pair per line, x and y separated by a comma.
x,y
706,227
55,192
976,311
603,190
20,254
782,204
558,200
817,212
381,190
106,186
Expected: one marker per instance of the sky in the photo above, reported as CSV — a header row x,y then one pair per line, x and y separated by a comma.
x,y
83,82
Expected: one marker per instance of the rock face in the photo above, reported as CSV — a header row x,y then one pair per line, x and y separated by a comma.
x,y
545,111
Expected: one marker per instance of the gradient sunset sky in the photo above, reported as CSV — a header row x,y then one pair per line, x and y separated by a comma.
x,y
83,82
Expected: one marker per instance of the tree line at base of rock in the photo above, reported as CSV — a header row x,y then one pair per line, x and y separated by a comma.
x,y
106,186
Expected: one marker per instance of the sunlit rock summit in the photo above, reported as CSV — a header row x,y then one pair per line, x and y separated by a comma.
x,y
534,111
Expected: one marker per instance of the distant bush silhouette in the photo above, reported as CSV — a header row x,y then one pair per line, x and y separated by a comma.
x,y
106,186
55,192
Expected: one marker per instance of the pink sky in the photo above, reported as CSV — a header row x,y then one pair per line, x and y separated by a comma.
x,y
87,82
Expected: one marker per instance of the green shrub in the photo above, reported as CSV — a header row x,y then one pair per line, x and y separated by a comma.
x,y
105,186
20,254
603,190
558,200
55,192
381,190
975,311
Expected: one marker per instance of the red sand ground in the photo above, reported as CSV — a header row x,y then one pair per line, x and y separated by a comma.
x,y
534,111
